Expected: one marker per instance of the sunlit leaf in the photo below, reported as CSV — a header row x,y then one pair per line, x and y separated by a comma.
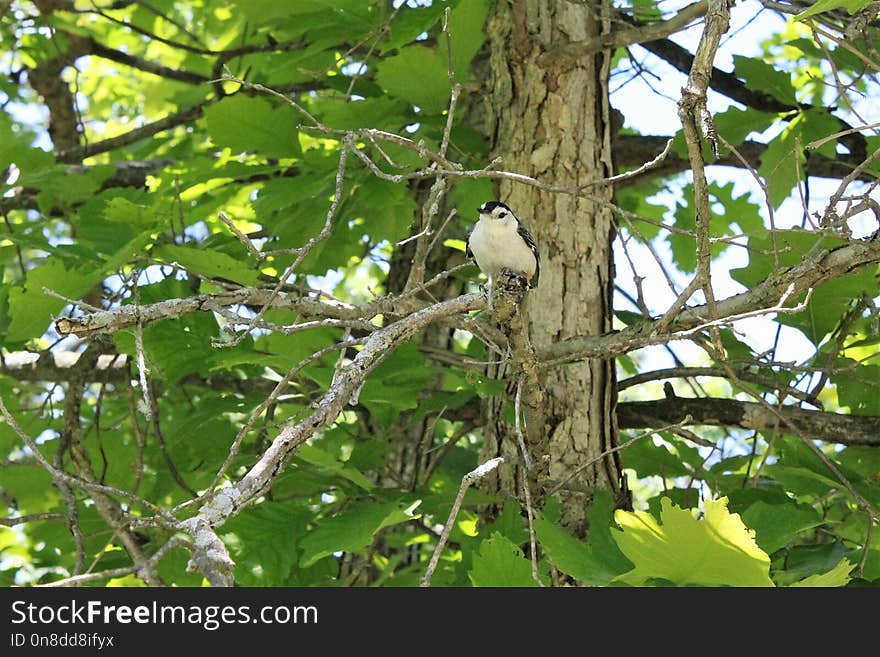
x,y
717,550
501,563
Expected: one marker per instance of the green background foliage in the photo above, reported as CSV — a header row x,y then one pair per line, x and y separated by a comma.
x,y
754,508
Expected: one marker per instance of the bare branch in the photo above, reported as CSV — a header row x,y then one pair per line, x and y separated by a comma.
x,y
226,501
31,517
63,477
209,554
623,37
533,544
816,267
80,153
745,375
817,425
635,150
244,239
466,482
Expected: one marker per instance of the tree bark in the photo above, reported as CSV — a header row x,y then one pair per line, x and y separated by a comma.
x,y
551,119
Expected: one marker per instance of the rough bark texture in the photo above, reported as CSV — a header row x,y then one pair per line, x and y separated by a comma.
x,y
551,120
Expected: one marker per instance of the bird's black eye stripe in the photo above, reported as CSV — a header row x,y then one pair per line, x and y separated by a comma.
x,y
502,215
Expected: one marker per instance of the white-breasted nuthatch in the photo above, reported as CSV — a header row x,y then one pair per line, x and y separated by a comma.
x,y
500,241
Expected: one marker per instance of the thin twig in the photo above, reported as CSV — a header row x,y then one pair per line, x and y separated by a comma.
x,y
73,302
519,433
466,482
244,239
647,166
60,475
818,143
860,570
280,387
304,250
33,517
533,544
146,406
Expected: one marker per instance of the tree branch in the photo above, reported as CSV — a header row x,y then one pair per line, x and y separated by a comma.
x,y
720,372
80,153
225,502
47,80
816,425
735,89
100,50
817,267
466,482
627,36
60,366
633,150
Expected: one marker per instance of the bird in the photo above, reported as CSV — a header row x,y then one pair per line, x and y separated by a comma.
x,y
500,241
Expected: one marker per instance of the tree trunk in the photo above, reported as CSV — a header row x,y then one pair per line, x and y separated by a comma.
x,y
551,119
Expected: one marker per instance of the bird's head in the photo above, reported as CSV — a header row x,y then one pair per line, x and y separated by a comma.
x,y
494,210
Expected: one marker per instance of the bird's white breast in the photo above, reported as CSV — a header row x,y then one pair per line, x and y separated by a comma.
x,y
497,245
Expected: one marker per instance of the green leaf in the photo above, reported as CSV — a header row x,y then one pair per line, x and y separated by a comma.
x,y
635,199
294,210
31,309
500,563
316,456
263,11
29,486
263,541
785,248
648,458
396,75
175,347
782,163
410,23
509,523
15,147
244,123
387,210
828,301
380,113
574,557
468,194
685,498
600,519
716,551
352,530
776,525
102,224
466,22
121,210
211,264
837,576
805,560
862,460
859,388
852,6
727,210
761,76
395,385
61,188
735,124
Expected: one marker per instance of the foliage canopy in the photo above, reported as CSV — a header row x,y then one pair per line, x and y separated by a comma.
x,y
243,187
